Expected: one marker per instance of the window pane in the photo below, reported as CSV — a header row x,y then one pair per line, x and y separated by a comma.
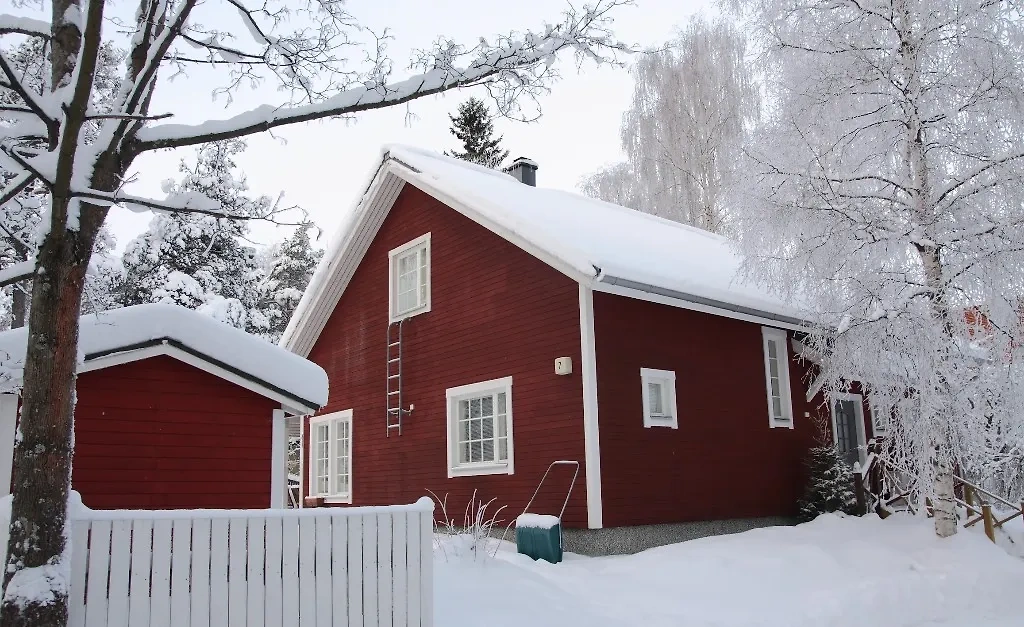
x,y
772,350
773,367
501,403
503,449
342,456
775,386
654,399
502,425
777,406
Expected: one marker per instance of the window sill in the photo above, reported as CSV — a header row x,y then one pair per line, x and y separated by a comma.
x,y
336,500
662,422
774,424
410,314
483,469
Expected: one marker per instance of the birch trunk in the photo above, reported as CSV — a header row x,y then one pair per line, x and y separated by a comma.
x,y
930,256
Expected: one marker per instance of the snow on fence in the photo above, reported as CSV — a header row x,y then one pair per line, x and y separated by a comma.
x,y
252,568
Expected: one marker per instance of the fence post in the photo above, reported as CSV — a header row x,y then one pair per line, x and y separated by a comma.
x,y
859,492
986,515
969,498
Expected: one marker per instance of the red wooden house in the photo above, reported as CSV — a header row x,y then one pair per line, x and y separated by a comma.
x,y
174,410
475,328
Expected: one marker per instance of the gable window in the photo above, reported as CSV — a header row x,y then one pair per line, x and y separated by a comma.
x,y
409,269
659,398
776,374
480,428
330,439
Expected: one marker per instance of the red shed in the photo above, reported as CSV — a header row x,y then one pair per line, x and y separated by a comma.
x,y
174,410
476,328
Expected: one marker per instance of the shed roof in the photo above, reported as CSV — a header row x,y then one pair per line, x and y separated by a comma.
x,y
184,333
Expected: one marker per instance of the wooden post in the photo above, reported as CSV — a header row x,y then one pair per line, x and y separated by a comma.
x,y
986,515
969,498
858,491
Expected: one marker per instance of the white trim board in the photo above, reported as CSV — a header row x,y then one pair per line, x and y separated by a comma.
x,y
591,430
125,357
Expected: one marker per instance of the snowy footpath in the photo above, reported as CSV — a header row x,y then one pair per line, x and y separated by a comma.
x,y
835,571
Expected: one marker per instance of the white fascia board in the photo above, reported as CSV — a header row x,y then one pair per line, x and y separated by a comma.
x,y
116,359
619,290
332,276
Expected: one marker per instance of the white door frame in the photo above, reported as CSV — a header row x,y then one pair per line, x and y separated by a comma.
x,y
858,410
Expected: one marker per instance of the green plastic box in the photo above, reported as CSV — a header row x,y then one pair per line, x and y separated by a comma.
x,y
539,537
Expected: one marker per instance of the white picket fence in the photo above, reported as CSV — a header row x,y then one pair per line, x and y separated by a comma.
x,y
252,568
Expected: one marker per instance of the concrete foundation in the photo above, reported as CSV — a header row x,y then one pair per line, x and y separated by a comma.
x,y
622,540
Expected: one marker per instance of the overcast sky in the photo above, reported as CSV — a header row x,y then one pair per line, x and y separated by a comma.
x,y
322,166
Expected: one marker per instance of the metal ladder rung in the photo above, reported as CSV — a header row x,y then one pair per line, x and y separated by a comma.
x,y
394,392
391,361
393,344
393,376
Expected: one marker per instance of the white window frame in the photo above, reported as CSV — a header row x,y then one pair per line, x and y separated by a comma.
x,y
667,380
880,417
858,410
423,242
473,390
778,336
332,420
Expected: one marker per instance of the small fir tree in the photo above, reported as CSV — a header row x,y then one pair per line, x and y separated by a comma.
x,y
474,127
830,484
288,268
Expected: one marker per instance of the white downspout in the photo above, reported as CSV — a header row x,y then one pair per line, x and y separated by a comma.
x,y
278,461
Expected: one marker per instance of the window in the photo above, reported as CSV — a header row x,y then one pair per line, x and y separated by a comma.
x,y
480,428
776,374
659,397
409,267
331,450
881,412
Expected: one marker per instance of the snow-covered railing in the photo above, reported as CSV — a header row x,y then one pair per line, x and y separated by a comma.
x,y
266,568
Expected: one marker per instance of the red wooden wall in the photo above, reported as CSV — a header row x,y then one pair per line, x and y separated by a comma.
x,y
161,434
496,311
724,461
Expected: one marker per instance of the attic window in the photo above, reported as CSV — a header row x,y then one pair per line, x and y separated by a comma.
x,y
659,397
409,271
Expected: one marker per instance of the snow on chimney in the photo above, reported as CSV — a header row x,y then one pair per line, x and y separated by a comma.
x,y
525,171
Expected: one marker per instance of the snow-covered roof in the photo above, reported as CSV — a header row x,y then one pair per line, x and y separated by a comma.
x,y
603,245
118,335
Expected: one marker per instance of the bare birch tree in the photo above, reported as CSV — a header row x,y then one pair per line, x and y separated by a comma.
x,y
691,104
886,196
310,50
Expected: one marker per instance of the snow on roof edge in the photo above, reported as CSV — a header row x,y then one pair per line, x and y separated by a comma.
x,y
133,328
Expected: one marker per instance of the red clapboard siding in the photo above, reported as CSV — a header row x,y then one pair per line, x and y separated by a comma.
x,y
161,434
724,461
496,311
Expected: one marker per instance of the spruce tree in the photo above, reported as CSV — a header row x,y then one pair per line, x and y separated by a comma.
x,y
474,127
196,260
287,270
830,484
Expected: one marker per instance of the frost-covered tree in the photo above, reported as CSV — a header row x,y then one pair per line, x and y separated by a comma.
x,y
287,270
324,64
886,196
474,127
692,103
200,261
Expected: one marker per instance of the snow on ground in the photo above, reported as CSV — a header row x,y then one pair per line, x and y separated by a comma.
x,y
836,571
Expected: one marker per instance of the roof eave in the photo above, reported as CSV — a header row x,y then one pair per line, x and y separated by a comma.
x,y
629,287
